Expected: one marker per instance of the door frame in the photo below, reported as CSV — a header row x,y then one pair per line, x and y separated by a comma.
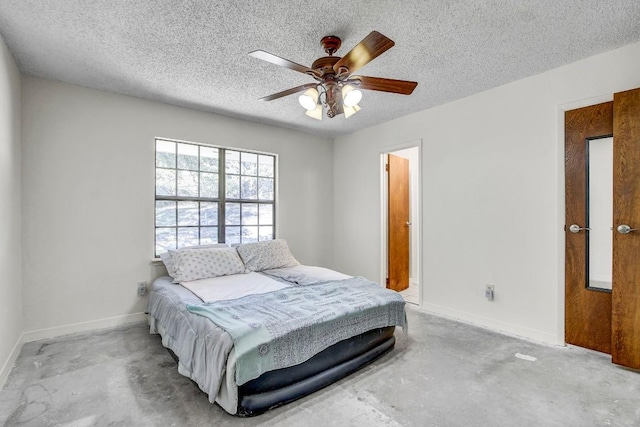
x,y
416,222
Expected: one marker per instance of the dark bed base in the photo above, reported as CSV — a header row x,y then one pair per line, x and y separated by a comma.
x,y
275,388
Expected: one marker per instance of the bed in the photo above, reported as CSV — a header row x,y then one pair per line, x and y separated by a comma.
x,y
255,338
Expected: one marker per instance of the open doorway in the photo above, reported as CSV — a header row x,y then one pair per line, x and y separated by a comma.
x,y
401,266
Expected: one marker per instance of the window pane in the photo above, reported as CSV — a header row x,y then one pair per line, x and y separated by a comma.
x,y
249,188
249,214
208,159
187,236
187,183
232,235
249,234
189,174
208,214
266,214
208,235
249,164
232,161
165,154
188,213
233,187
188,157
165,182
265,167
232,214
165,239
266,233
165,213
209,185
265,188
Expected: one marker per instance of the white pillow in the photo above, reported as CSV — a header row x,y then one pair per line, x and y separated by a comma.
x,y
266,255
167,257
204,263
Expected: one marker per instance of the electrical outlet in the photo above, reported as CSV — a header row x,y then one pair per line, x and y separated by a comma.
x,y
142,288
488,292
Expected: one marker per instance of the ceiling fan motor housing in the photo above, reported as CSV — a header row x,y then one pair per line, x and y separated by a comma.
x,y
325,65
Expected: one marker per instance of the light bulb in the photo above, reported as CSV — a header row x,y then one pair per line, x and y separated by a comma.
x,y
316,113
350,96
309,99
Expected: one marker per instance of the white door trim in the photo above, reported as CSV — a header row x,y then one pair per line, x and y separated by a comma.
x,y
416,222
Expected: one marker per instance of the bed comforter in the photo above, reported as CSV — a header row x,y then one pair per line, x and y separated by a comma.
x,y
288,326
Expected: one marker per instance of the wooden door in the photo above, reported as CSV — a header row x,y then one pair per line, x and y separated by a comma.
x,y
587,311
625,347
605,321
399,225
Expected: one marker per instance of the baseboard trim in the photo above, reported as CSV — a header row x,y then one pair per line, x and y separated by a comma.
x,y
11,360
505,328
57,331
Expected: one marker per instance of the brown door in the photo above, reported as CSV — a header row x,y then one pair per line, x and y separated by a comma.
x,y
606,321
587,311
625,346
398,243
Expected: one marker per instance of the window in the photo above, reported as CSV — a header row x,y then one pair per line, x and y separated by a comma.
x,y
208,194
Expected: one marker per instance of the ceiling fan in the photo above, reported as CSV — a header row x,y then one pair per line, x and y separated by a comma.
x,y
336,88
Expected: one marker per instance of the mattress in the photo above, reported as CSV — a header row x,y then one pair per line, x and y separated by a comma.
x,y
205,352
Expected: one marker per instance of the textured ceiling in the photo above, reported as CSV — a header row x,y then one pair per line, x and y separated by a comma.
x,y
194,53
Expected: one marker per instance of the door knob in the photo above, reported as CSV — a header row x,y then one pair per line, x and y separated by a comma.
x,y
408,223
625,229
575,228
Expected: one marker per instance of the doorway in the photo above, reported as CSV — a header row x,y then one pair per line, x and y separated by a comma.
x,y
400,221
602,212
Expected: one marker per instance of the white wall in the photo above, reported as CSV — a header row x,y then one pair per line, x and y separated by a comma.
x,y
492,189
88,191
10,208
492,192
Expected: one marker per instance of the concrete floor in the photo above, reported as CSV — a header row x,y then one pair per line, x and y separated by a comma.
x,y
443,374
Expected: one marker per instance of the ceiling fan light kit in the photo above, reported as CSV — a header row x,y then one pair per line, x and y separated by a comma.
x,y
349,111
337,90
350,96
315,113
309,99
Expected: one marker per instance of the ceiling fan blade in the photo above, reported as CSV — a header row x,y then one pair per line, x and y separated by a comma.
x,y
367,50
403,87
289,92
269,57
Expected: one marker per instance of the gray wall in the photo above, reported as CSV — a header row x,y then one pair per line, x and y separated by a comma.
x,y
10,207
